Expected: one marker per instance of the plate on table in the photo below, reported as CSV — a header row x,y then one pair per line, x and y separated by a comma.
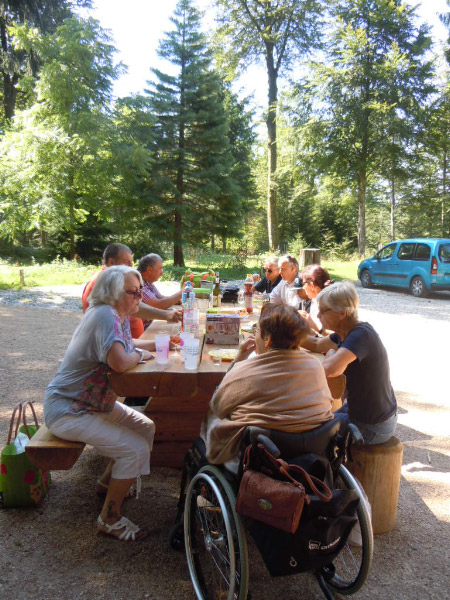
x,y
227,354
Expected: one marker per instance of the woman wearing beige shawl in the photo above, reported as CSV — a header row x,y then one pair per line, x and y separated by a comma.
x,y
282,387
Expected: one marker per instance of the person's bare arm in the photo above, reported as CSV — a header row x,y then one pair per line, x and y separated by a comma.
x,y
149,313
337,361
120,361
165,302
318,344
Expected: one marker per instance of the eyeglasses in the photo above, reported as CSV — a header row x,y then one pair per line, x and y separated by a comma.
x,y
136,293
271,270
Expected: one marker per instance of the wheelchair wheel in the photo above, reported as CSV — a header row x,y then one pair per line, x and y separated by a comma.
x,y
216,546
350,569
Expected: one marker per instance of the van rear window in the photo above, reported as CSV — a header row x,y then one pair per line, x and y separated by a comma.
x,y
423,252
444,253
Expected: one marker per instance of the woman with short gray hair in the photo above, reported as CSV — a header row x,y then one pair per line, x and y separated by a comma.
x,y
80,405
356,350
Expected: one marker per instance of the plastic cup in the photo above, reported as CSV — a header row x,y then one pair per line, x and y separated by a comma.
x,y
184,335
217,359
162,341
191,347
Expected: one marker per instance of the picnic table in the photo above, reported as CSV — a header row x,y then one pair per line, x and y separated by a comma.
x,y
179,398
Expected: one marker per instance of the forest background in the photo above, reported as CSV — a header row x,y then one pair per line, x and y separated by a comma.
x,y
354,151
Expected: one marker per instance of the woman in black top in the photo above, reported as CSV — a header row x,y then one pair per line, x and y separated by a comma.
x,y
356,350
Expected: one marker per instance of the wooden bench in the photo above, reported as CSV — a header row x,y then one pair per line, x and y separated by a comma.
x,y
50,453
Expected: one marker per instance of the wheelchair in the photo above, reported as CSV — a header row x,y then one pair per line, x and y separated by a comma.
x,y
214,535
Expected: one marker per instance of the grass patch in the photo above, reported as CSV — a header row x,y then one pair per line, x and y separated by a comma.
x,y
60,272
67,272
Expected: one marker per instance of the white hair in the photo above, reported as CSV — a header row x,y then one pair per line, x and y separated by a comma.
x,y
340,296
108,288
271,260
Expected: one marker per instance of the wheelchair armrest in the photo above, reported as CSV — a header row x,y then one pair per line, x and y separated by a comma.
x,y
357,438
268,445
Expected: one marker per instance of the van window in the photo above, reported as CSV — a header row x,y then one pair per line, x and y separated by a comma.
x,y
387,251
444,253
423,252
406,251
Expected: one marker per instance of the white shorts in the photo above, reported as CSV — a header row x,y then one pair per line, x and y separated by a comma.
x,y
124,434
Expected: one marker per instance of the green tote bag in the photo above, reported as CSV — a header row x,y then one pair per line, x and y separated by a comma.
x,y
21,483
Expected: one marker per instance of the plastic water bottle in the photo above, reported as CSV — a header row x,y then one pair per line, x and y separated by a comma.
x,y
186,292
191,322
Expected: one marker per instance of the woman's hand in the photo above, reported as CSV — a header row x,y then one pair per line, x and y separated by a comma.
x,y
246,348
147,355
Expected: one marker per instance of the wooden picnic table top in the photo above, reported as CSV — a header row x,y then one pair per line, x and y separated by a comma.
x,y
172,379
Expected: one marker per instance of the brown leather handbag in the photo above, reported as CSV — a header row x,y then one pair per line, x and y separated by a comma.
x,y
275,498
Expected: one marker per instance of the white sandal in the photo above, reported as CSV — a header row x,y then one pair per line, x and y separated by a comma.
x,y
129,529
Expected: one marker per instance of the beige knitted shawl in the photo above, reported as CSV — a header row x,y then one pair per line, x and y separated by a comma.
x,y
280,389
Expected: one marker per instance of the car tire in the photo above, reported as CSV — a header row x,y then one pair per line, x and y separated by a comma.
x,y
366,279
418,287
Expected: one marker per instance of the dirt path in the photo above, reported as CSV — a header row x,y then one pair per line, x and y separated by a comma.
x,y
54,552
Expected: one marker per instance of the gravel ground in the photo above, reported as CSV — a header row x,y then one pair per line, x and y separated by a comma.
x,y
54,551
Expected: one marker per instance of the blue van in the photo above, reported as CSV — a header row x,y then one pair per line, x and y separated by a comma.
x,y
420,264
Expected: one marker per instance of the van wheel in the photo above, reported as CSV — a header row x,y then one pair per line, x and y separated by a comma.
x,y
418,287
366,279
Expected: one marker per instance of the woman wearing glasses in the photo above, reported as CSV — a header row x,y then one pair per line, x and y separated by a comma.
x,y
79,404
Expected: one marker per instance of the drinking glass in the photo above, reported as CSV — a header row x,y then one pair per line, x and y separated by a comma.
x,y
162,341
175,331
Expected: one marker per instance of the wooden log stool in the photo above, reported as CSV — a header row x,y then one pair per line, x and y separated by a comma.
x,y
378,468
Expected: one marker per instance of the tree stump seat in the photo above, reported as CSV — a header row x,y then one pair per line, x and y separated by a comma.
x,y
378,468
51,453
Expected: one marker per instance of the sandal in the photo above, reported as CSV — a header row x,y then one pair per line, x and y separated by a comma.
x,y
135,489
130,531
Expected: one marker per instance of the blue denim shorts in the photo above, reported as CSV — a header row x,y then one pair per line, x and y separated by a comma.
x,y
377,433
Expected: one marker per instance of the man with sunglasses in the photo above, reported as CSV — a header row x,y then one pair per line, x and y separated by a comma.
x,y
272,276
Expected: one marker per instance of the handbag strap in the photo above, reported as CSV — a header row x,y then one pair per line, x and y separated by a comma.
x,y
24,416
285,469
313,482
15,420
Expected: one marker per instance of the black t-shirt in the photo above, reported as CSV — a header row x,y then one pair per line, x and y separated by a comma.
x,y
370,395
265,285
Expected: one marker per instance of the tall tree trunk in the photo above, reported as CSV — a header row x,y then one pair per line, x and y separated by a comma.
x,y
444,192
213,243
72,227
178,257
392,209
9,95
272,210
362,186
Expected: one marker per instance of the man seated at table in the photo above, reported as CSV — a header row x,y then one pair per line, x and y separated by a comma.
x,y
290,289
272,278
119,254
151,269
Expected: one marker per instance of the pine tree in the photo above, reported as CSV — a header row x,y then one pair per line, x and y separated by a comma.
x,y
190,180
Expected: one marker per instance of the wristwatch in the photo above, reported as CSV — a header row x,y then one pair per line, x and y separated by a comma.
x,y
140,352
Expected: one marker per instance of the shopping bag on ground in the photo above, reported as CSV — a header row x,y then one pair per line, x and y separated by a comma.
x,y
21,483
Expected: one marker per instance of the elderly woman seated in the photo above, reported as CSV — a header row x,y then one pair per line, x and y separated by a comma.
x,y
282,387
356,351
79,404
